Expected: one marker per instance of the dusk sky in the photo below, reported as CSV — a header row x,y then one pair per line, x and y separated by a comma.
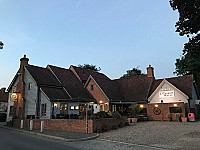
x,y
115,35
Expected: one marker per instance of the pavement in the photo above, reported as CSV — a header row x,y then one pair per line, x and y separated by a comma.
x,y
56,135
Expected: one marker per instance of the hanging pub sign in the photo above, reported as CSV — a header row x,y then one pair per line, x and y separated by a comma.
x,y
166,94
13,96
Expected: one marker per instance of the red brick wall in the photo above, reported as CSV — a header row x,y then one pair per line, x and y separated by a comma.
x,y
97,94
74,125
164,107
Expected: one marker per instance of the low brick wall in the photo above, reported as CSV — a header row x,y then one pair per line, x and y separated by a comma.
x,y
74,125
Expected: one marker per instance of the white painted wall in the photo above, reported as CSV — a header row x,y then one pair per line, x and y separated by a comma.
x,y
96,108
178,96
45,100
30,95
10,102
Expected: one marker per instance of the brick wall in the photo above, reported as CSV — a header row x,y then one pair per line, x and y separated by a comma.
x,y
97,94
74,125
164,110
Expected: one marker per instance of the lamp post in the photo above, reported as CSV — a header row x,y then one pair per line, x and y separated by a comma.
x,y
1,45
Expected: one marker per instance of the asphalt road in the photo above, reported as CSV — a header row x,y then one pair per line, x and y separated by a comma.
x,y
14,140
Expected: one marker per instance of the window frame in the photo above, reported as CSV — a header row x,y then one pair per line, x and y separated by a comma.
x,y
44,109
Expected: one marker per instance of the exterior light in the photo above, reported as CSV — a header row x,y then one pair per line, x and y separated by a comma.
x,y
106,103
101,101
141,106
76,107
72,107
156,105
55,105
175,105
13,96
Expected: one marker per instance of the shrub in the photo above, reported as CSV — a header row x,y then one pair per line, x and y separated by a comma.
x,y
102,114
135,110
117,115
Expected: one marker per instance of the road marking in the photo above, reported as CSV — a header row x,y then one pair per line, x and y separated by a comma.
x,y
132,144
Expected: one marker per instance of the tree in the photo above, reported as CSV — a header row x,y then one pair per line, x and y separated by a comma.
x,y
133,72
189,25
90,67
1,45
188,64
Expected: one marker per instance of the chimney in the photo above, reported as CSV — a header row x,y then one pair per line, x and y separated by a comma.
x,y
150,72
20,104
3,90
24,61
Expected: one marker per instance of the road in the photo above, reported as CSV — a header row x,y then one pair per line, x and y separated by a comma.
x,y
14,140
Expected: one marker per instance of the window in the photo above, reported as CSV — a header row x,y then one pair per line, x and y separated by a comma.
x,y
30,85
175,109
44,109
92,87
72,107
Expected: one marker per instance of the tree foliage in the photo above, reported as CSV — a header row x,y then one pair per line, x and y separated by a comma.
x,y
132,72
90,67
188,25
1,45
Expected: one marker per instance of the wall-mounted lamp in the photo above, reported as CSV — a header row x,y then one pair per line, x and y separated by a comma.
x,y
101,102
175,105
77,107
71,107
141,106
55,105
156,105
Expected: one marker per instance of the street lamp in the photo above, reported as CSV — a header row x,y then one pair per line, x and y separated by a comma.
x,y
1,45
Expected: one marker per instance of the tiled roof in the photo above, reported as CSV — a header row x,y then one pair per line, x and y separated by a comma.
x,y
3,96
56,93
85,73
135,88
109,87
183,83
42,76
71,83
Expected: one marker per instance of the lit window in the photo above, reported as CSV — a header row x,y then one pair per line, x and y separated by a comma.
x,y
76,107
71,107
30,85
92,87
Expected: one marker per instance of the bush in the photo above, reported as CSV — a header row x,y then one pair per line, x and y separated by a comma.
x,y
102,114
117,115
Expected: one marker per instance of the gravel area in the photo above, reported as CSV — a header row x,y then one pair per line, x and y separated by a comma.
x,y
169,135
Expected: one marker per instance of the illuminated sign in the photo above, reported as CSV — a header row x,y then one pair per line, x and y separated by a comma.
x,y
13,96
166,94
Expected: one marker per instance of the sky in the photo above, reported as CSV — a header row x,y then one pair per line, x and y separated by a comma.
x,y
116,35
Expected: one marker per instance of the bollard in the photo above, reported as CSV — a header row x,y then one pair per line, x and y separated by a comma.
x,y
22,124
31,125
42,126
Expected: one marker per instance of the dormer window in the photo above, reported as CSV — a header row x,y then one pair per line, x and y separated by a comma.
x,y
30,85
92,87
